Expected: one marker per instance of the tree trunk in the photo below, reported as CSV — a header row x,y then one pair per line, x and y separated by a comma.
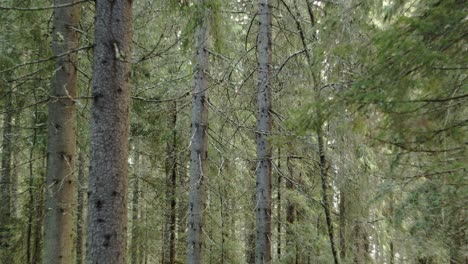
x,y
182,200
39,216
279,207
263,172
60,180
15,211
143,225
199,144
108,174
80,209
326,205
171,174
31,197
291,216
135,208
5,190
343,225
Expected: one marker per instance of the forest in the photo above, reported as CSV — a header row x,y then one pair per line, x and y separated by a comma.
x,y
233,131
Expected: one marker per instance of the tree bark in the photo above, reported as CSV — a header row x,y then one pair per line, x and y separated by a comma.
x,y
80,209
5,182
250,236
31,197
326,205
15,208
343,225
263,172
135,208
291,216
107,194
199,144
60,180
39,216
171,174
279,207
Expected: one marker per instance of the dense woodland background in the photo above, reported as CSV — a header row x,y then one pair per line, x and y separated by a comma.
x,y
364,107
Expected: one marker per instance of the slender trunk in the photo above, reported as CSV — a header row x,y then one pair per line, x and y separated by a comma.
x,y
199,144
31,198
263,175
164,241
5,188
291,215
38,223
326,205
343,223
143,224
108,174
15,170
39,216
182,204
80,209
279,208
171,181
60,181
221,201
250,241
392,246
135,203
361,243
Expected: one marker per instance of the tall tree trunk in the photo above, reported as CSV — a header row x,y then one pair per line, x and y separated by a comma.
x,y
199,144
263,175
5,188
326,205
108,174
31,197
182,200
143,224
60,180
392,226
80,209
171,180
15,212
250,239
39,215
291,216
135,208
343,225
279,207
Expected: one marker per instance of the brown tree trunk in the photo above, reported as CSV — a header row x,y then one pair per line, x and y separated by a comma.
x,y
108,174
182,200
291,215
279,207
80,209
171,181
199,144
134,248
343,225
250,236
31,196
5,181
60,179
326,205
263,175
39,215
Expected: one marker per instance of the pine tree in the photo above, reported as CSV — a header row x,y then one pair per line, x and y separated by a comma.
x,y
107,191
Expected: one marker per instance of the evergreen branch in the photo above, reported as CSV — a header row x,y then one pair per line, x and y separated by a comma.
x,y
46,59
411,149
43,7
149,100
